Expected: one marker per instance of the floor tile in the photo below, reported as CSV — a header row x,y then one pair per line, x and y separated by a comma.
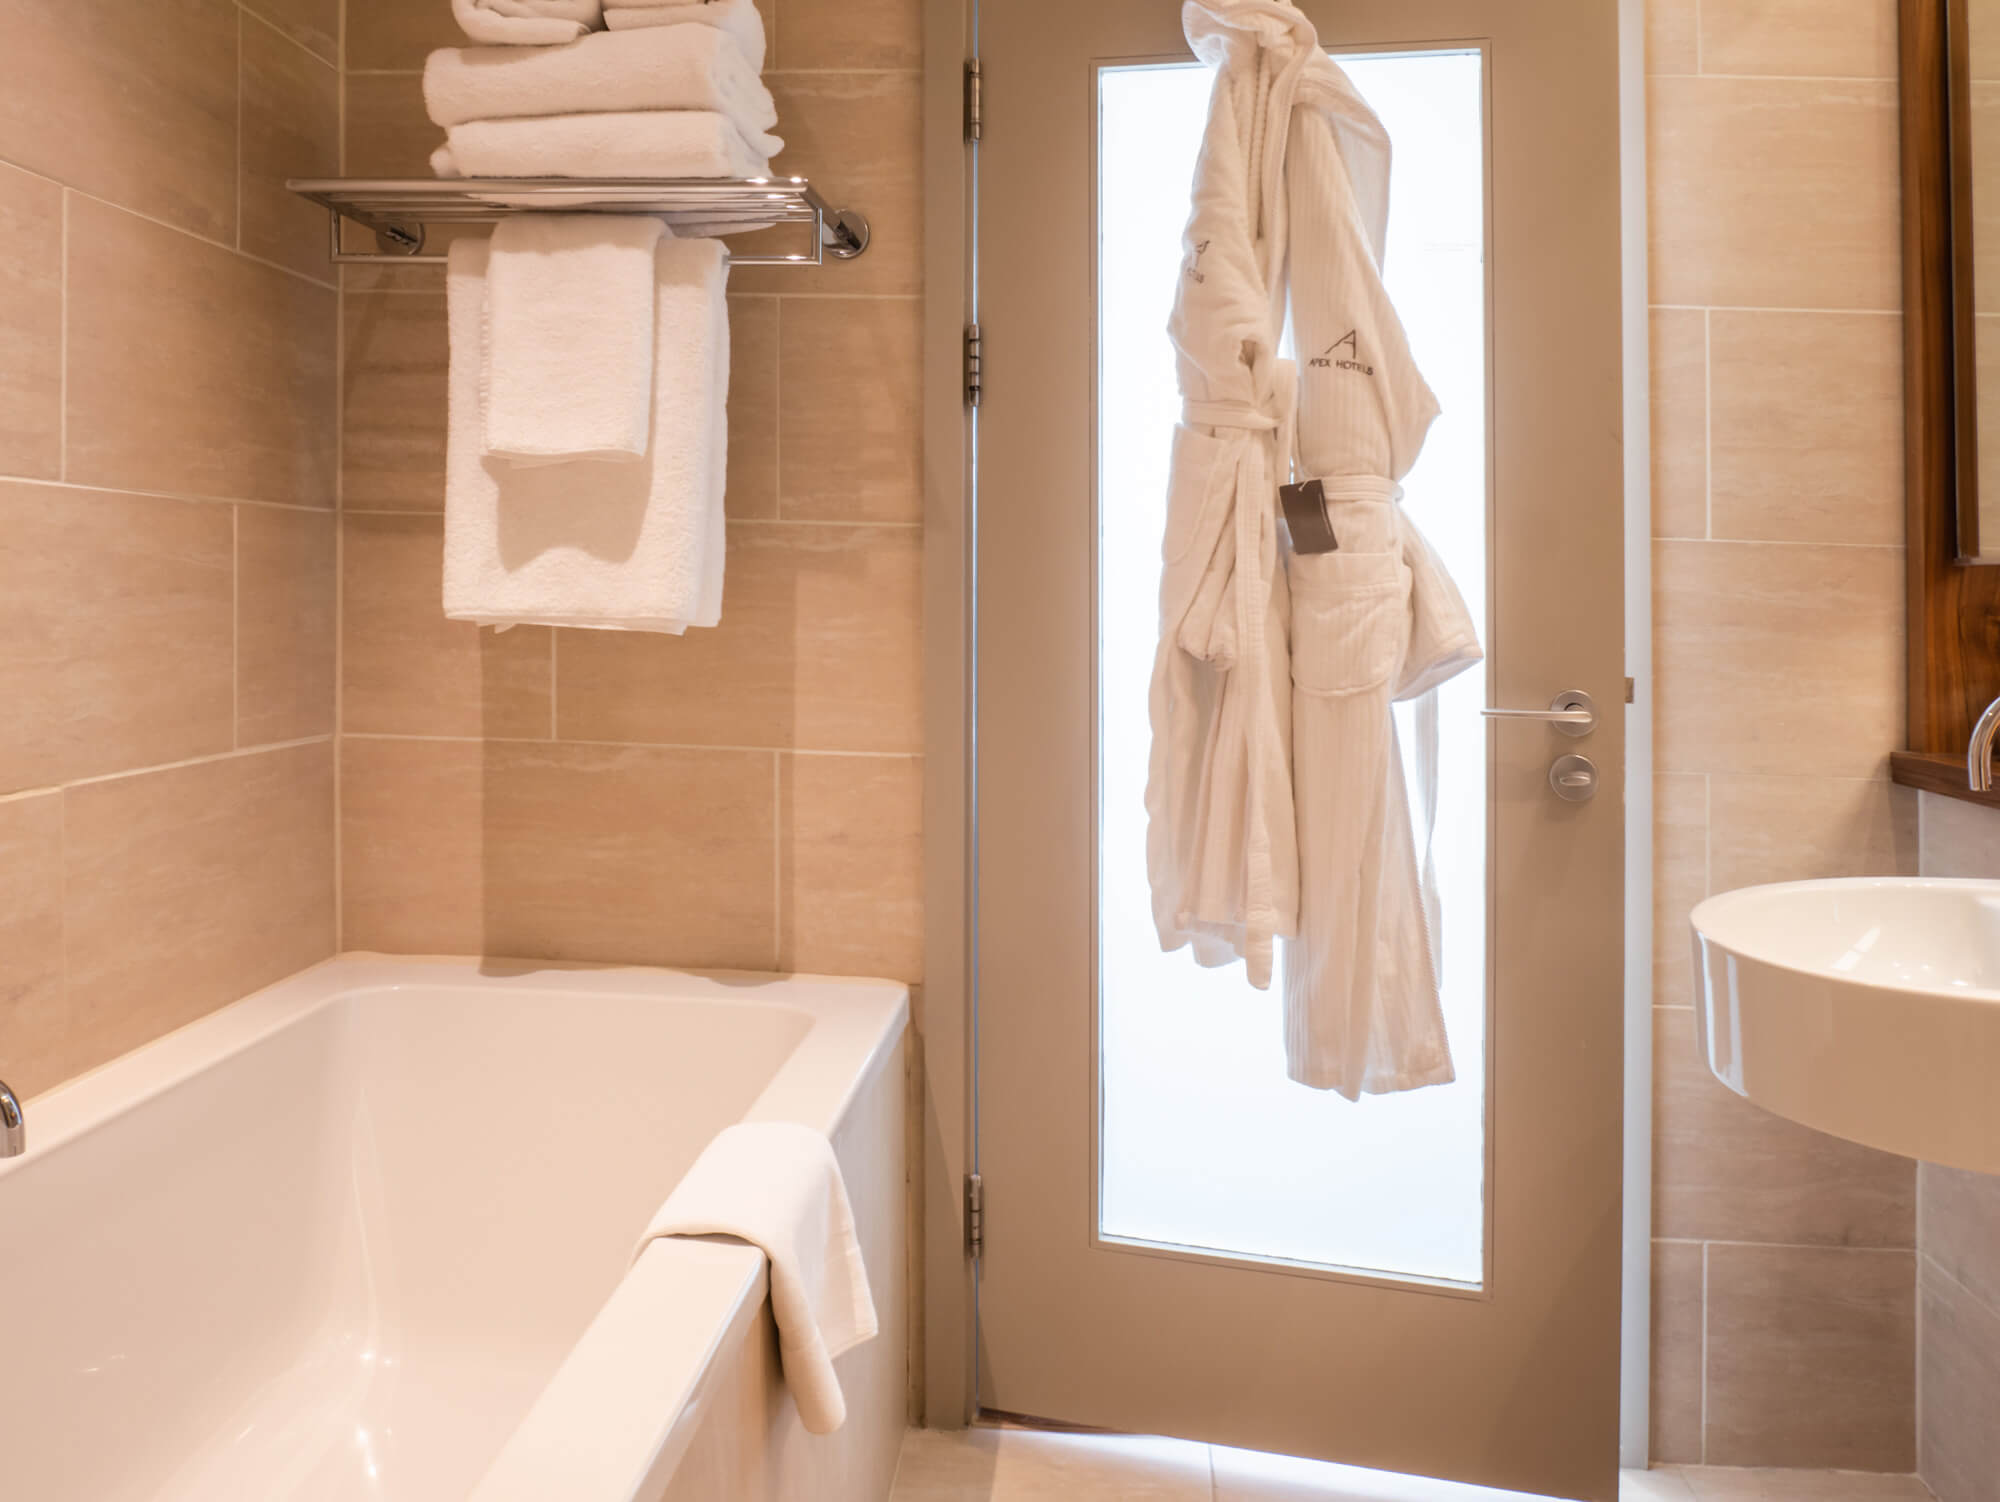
x,y
1246,1476
1025,1465
1726,1484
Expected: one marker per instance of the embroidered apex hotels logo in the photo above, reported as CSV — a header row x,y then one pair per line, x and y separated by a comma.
x,y
1333,359
1194,271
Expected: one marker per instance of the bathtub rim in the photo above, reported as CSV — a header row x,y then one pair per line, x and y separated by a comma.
x,y
855,1023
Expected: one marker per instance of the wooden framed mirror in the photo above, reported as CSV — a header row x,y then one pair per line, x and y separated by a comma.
x,y
1951,234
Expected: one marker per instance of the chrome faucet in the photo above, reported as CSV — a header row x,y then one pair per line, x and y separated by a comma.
x,y
1979,752
13,1135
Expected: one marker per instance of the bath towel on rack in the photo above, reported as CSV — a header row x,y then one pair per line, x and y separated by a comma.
x,y
569,337
634,546
672,68
739,19
669,143
528,23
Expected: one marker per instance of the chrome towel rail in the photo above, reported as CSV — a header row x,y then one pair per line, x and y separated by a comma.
x,y
397,210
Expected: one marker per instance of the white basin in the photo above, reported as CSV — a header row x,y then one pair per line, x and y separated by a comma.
x,y
1867,1008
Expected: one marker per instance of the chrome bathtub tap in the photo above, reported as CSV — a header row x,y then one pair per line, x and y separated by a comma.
x,y
13,1134
1979,753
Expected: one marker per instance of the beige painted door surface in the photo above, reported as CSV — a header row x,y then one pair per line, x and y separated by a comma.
x,y
1425,1283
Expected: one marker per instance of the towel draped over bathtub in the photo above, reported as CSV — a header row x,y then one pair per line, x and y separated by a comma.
x,y
1276,801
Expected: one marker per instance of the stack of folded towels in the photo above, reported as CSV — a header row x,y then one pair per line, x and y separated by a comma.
x,y
590,353
673,90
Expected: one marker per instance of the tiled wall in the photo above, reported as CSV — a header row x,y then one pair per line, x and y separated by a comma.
x,y
1958,1244
167,476
746,797
1785,1271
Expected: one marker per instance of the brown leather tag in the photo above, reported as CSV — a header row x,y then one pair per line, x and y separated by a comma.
x,y
1306,515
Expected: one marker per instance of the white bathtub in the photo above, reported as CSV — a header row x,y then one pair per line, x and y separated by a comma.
x,y
367,1234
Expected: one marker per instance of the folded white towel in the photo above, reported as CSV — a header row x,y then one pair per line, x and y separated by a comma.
x,y
528,23
569,337
671,143
777,1185
634,546
737,18
669,68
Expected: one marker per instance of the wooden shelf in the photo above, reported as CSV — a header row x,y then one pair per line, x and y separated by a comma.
x,y
1934,772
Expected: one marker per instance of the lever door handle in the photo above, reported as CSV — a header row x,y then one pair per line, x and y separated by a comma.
x,y
1572,712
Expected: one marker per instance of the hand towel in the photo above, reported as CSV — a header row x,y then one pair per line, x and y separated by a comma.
x,y
635,546
670,68
528,23
674,143
569,337
777,1185
739,19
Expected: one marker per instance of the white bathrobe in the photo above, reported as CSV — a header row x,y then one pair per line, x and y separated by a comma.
x,y
1344,633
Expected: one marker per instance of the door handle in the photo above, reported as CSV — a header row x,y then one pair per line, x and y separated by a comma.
x,y
1572,712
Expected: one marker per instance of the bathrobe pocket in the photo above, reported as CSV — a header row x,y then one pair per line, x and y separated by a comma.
x,y
1350,621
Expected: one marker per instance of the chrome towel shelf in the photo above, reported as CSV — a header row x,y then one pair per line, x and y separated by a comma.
x,y
397,210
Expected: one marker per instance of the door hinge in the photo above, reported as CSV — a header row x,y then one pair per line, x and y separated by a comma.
x,y
975,107
974,386
1631,691
975,1217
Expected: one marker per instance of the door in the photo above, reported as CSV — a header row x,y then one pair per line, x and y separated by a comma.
x,y
1177,1239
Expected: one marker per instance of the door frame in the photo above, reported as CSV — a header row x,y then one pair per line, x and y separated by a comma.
x,y
945,1387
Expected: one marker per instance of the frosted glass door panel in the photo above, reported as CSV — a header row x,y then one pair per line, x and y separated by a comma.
x,y
1204,1143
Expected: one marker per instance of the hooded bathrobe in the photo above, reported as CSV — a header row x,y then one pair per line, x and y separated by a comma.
x,y
1276,772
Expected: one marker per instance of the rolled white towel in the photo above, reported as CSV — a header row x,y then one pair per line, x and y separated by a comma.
x,y
669,143
736,18
528,23
668,68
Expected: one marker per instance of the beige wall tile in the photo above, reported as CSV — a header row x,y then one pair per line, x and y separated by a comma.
x,y
389,34
388,132
1807,414
1765,829
285,624
291,128
192,887
314,24
1984,38
1774,193
819,648
30,325
1726,1170
850,410
131,103
1811,1358
1820,38
753,407
1680,880
850,866
1957,838
412,875
194,370
1959,1447
1960,1229
858,34
632,854
1777,658
394,402
1677,1351
1680,422
116,614
1671,39
34,1014
406,670
862,134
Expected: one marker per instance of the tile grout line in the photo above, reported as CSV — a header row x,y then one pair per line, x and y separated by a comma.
x,y
235,753
524,740
179,229
236,240
236,627
339,717
777,860
62,341
1704,1353
1708,423
332,63
1765,309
